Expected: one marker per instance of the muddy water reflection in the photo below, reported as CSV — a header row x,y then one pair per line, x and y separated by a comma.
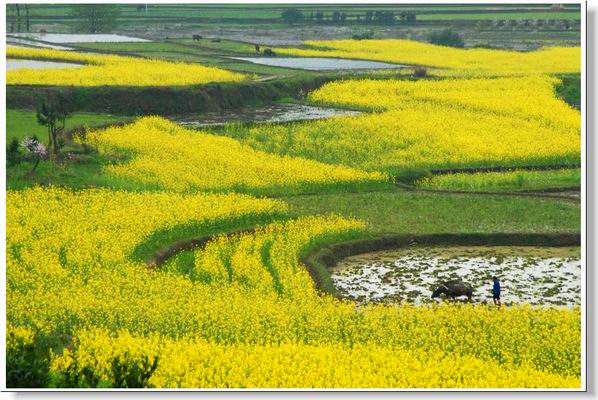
x,y
533,275
319,63
272,113
12,64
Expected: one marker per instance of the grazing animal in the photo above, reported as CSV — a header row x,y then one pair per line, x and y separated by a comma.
x,y
269,53
454,289
197,38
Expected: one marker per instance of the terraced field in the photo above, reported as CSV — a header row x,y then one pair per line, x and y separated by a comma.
x,y
144,253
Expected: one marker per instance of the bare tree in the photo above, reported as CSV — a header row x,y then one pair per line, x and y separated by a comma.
x,y
18,18
27,24
52,113
95,18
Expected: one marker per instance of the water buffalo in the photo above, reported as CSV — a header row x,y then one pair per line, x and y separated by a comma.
x,y
197,38
454,289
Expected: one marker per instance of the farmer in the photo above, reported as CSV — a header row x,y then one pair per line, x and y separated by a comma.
x,y
257,48
496,291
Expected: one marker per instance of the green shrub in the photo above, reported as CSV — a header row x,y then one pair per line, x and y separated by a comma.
x,y
410,176
27,359
132,373
446,37
13,153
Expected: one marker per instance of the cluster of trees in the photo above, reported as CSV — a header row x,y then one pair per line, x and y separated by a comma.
x,y
446,37
295,16
96,18
19,17
92,18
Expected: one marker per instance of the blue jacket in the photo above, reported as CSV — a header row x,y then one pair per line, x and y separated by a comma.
x,y
496,288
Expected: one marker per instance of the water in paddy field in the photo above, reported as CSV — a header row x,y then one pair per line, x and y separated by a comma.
x,y
76,38
271,113
541,276
319,63
21,42
12,64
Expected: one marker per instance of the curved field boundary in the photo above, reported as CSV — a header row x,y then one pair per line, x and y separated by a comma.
x,y
320,260
167,100
162,255
473,170
543,194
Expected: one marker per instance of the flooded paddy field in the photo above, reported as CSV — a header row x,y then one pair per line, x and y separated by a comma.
x,y
319,63
541,276
272,114
22,42
63,38
12,64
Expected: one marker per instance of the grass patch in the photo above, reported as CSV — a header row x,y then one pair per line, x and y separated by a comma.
x,y
21,123
570,89
81,172
544,15
425,213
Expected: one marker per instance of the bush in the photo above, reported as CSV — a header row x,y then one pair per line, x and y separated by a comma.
x,y
75,376
13,153
364,36
446,37
27,360
292,15
410,176
420,72
132,373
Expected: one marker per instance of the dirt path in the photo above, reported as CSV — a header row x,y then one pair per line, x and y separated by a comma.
x,y
569,194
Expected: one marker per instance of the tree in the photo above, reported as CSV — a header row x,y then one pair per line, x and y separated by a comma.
x,y
95,18
369,15
446,38
36,149
319,17
13,155
336,17
384,17
27,23
408,16
292,15
52,113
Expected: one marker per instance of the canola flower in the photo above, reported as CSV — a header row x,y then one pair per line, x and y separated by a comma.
x,y
248,304
514,180
196,363
112,70
433,124
449,61
175,158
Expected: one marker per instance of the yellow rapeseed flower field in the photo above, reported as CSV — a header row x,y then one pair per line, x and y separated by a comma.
x,y
242,311
518,179
112,70
247,314
180,159
451,61
433,124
